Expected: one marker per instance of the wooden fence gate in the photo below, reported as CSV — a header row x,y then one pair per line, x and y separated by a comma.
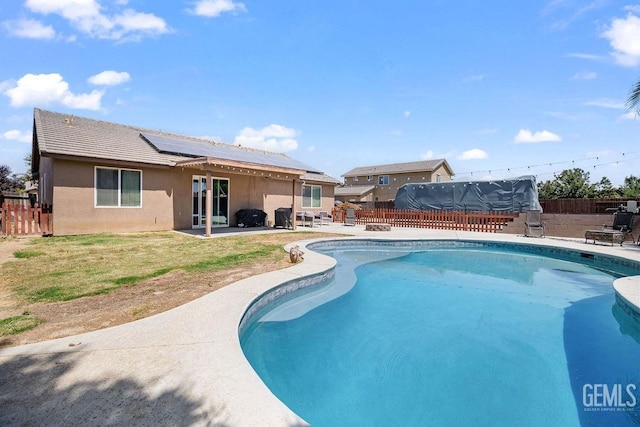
x,y
20,219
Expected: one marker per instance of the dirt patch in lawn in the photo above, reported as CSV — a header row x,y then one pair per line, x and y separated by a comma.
x,y
126,304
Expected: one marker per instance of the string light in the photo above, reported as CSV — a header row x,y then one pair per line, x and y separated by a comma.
x,y
552,164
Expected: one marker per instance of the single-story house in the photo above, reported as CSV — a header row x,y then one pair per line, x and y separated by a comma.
x,y
381,182
107,177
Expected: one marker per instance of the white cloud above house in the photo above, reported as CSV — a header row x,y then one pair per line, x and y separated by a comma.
x,y
587,56
92,18
17,135
629,115
525,136
624,38
474,78
29,29
430,155
585,75
215,8
47,89
606,103
473,154
109,78
274,137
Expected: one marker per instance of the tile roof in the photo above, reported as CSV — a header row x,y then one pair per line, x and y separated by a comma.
x,y
420,166
353,190
69,135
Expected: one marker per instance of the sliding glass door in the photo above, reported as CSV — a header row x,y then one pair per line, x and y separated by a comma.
x,y
220,195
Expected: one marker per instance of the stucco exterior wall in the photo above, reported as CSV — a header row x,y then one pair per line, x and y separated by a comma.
x,y
387,192
166,198
74,210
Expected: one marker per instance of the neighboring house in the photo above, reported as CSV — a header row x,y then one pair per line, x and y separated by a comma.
x,y
107,177
381,182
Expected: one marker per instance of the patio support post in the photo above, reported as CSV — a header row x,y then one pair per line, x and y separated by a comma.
x,y
293,205
209,205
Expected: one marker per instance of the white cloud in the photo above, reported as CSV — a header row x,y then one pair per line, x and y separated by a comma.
x,y
631,115
17,135
215,8
87,17
473,154
44,89
585,75
109,78
587,56
624,38
406,114
29,29
274,137
606,103
475,78
525,136
430,155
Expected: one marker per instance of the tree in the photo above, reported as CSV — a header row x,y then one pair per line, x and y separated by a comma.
x,y
633,101
9,181
604,189
631,187
568,184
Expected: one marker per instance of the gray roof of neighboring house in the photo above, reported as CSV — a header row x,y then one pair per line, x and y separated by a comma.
x,y
393,168
353,190
319,177
69,135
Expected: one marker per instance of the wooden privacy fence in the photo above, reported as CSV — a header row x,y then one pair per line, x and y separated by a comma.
x,y
20,219
489,222
582,206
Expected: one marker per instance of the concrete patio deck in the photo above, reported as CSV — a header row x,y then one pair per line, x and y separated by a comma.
x,y
184,366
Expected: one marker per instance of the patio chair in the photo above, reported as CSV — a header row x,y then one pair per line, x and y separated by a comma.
x,y
350,217
317,220
533,224
623,222
325,218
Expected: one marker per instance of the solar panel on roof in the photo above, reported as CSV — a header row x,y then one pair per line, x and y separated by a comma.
x,y
169,145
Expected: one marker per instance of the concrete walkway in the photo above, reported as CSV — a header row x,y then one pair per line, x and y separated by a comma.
x,y
181,367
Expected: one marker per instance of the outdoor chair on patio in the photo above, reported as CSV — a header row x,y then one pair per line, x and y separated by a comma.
x,y
304,218
325,218
350,217
616,233
533,224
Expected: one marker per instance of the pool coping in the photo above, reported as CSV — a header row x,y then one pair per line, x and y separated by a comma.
x,y
193,351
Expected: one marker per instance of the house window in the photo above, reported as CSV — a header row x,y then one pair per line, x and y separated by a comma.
x,y
438,178
369,177
311,196
118,187
383,180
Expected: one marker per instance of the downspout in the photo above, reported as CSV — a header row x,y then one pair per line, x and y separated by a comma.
x,y
209,205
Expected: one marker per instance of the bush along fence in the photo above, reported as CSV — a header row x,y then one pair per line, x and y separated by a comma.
x,y
21,219
489,222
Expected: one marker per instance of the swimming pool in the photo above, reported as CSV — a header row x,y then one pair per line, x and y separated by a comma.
x,y
447,333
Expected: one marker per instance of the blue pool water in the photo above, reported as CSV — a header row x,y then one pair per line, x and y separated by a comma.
x,y
452,336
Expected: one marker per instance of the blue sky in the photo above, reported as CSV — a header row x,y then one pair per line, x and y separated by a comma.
x,y
498,88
